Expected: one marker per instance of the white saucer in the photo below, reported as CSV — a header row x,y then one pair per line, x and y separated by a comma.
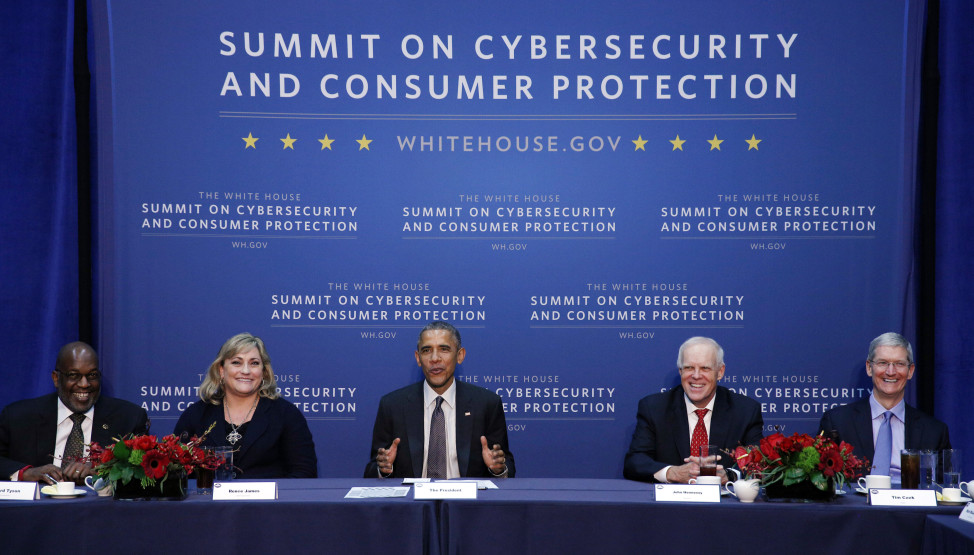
x,y
51,491
964,500
862,490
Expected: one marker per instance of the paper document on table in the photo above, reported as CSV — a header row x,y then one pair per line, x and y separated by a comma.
x,y
362,493
481,484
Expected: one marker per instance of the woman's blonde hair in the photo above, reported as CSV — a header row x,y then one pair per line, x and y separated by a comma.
x,y
211,390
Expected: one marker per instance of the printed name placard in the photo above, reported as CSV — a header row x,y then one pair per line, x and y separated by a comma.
x,y
688,493
903,497
240,491
445,490
968,513
19,491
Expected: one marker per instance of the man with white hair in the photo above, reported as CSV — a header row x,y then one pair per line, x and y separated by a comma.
x,y
698,411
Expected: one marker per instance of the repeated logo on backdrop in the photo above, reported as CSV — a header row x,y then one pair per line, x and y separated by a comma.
x,y
578,192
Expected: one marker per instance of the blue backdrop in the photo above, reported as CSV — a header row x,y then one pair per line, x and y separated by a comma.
x,y
623,248
577,191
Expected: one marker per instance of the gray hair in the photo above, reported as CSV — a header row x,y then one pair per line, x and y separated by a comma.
x,y
699,340
439,325
890,339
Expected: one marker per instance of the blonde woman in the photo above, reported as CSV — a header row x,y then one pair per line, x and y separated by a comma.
x,y
269,434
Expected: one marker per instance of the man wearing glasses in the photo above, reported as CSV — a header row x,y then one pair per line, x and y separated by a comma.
x,y
43,439
880,426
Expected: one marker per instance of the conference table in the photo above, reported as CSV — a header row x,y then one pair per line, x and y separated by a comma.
x,y
523,515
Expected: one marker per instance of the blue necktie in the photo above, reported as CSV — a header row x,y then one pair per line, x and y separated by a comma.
x,y
884,446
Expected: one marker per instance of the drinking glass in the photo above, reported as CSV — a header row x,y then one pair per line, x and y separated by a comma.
x,y
225,471
708,459
909,468
928,469
204,476
950,465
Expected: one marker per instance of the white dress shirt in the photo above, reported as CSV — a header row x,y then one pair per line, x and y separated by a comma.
x,y
898,426
64,425
691,423
449,407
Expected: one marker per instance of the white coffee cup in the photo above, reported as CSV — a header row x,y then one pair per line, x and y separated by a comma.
x,y
64,488
874,481
966,487
100,486
745,490
951,494
706,480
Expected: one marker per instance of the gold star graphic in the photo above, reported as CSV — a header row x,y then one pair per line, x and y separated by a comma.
x,y
752,143
288,142
251,141
326,142
363,143
678,143
640,143
715,142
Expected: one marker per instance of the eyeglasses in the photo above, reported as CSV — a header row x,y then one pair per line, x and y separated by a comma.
x,y
882,365
72,377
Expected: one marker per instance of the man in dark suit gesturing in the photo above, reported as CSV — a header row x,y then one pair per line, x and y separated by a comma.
x,y
665,422
43,439
881,425
440,427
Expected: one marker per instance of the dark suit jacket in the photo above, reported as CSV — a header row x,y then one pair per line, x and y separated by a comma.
x,y
852,424
277,442
28,429
479,413
662,435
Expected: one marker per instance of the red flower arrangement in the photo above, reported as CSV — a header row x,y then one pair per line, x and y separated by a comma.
x,y
149,460
800,457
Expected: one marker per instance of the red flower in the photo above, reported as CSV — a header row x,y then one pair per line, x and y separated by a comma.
x,y
769,448
830,463
787,444
144,443
155,464
107,455
775,439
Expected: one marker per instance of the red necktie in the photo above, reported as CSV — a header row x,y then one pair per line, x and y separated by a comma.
x,y
699,438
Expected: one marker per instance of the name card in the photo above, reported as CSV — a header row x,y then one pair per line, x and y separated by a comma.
x,y
244,491
19,491
445,490
688,493
968,513
903,497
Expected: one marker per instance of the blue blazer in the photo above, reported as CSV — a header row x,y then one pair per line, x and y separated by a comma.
x,y
479,413
662,435
277,442
28,429
852,424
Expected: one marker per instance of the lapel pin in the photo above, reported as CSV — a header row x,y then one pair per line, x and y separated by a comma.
x,y
466,414
104,426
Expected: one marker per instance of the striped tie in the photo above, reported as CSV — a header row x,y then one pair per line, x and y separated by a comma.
x,y
436,454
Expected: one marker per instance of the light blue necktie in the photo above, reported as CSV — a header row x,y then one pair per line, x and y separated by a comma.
x,y
884,446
